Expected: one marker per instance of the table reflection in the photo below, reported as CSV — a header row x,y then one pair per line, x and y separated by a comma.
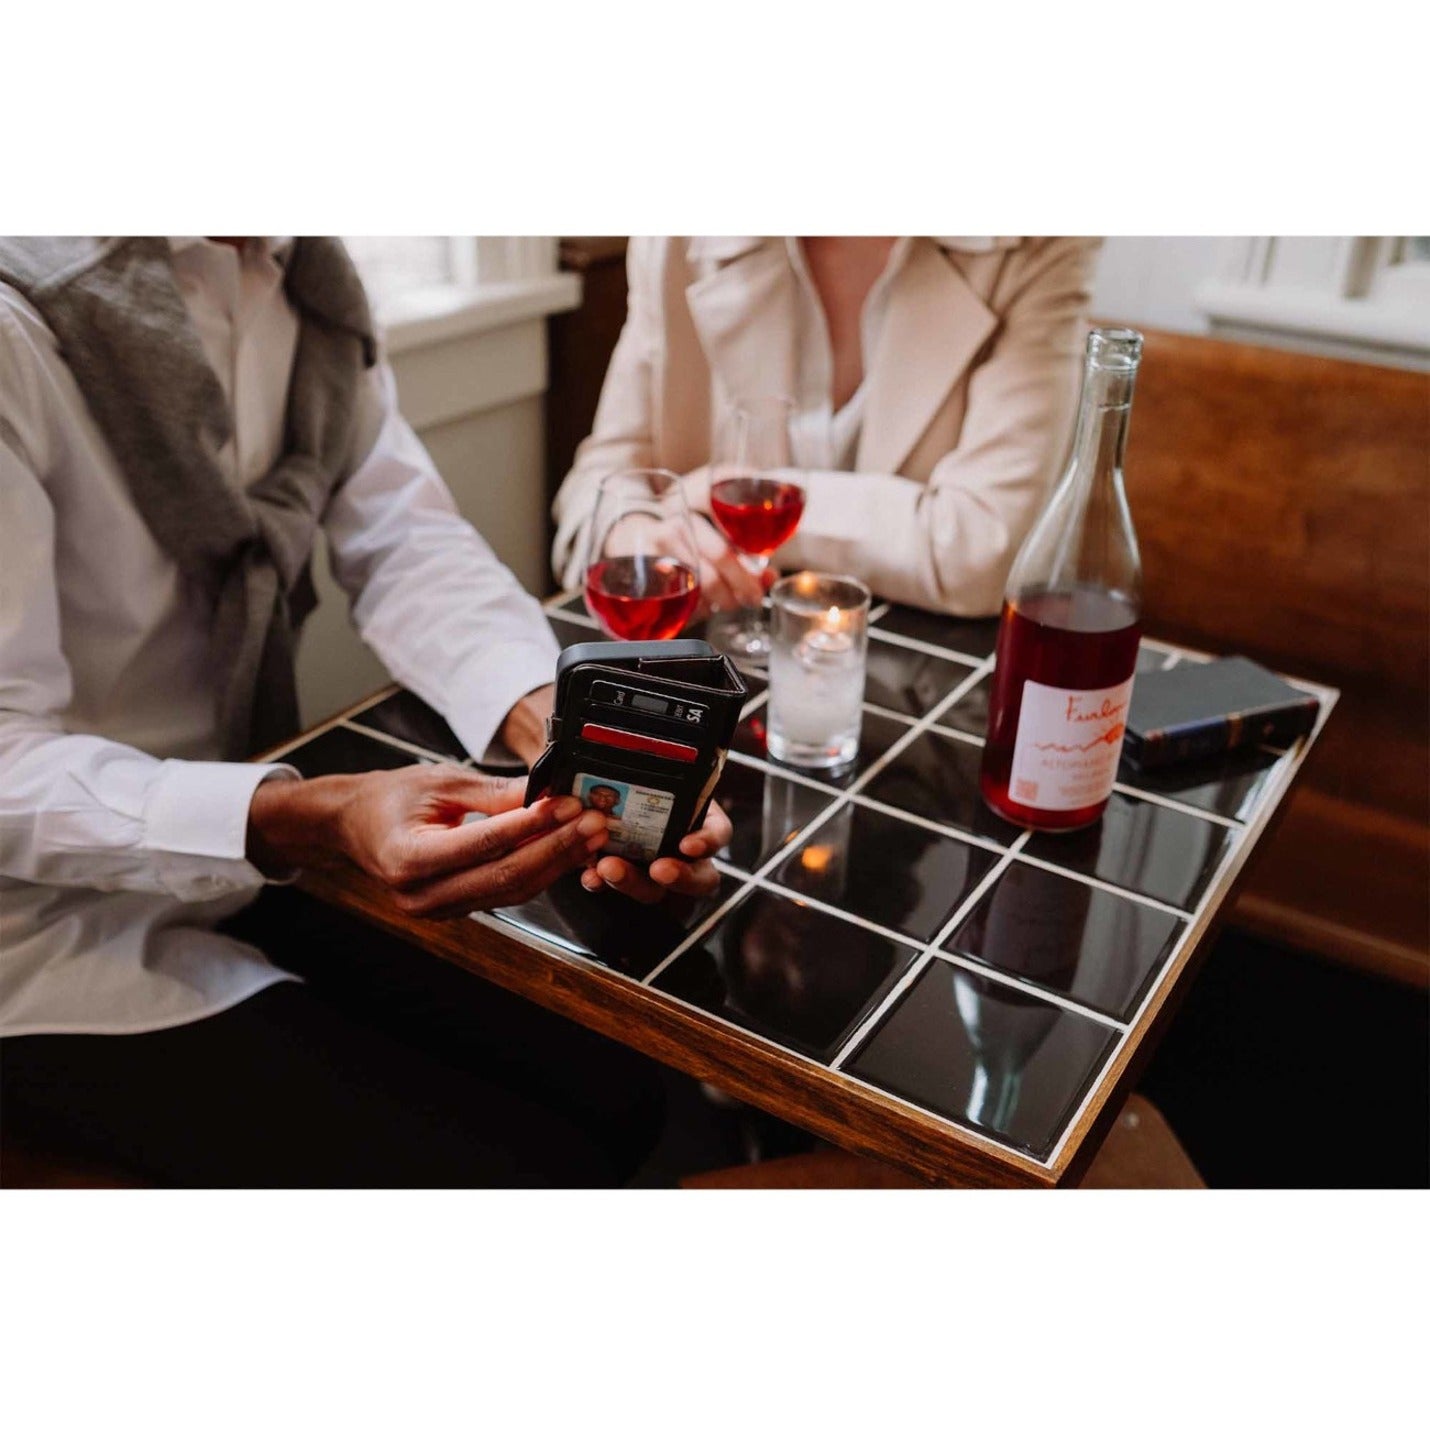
x,y
788,971
1005,1029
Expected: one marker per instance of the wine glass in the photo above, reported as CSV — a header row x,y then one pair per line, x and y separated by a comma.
x,y
642,581
756,499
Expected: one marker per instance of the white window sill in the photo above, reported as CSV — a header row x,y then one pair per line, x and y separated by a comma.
x,y
429,316
1395,327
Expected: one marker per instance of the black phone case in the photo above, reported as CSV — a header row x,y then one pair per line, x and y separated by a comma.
x,y
652,788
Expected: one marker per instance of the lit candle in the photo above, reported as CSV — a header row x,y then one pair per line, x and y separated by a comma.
x,y
816,679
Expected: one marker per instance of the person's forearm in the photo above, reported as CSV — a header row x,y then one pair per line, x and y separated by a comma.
x,y
524,729
294,824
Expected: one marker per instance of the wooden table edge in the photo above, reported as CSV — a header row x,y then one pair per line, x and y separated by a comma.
x,y
848,1113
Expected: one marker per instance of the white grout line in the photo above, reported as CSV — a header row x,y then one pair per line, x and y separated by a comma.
x,y
745,887
399,743
860,1032
908,940
1137,898
857,1036
785,772
331,723
1134,793
1029,989
962,1128
982,887
949,733
754,880
950,831
957,657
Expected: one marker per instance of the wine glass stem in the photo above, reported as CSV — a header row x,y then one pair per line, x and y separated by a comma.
x,y
755,615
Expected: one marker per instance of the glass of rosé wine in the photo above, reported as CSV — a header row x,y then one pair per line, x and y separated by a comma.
x,y
641,563
756,499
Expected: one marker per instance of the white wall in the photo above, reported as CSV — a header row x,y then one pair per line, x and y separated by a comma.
x,y
1362,298
1152,282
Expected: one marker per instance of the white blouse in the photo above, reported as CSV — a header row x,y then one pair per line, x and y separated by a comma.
x,y
822,439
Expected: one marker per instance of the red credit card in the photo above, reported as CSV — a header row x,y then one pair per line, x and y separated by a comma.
x,y
645,744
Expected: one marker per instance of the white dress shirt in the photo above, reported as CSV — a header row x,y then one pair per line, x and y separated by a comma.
x,y
121,834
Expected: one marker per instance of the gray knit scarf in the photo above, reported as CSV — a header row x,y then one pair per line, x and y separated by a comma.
x,y
126,335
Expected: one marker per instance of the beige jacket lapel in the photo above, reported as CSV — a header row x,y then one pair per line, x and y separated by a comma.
x,y
743,305
933,329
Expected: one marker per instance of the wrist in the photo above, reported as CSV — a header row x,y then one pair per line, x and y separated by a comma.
x,y
293,824
524,729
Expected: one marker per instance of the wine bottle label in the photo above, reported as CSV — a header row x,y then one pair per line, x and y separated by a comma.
x,y
1066,752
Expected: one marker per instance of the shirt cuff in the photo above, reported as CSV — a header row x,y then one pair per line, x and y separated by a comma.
x,y
196,825
479,697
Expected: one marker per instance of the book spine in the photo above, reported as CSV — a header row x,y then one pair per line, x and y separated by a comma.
x,y
1201,739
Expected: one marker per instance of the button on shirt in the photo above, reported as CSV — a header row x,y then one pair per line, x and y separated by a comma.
x,y
122,834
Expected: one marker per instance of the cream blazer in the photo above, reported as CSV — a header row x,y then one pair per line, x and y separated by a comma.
x,y
971,397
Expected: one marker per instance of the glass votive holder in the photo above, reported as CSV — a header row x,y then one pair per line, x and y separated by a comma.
x,y
819,643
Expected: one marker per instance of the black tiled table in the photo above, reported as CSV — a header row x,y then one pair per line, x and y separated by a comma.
x,y
1084,943
412,719
341,751
975,639
985,1058
1229,785
907,681
936,777
1148,848
768,967
890,871
631,938
1006,1063
766,810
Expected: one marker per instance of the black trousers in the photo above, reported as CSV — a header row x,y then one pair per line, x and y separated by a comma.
x,y
386,1068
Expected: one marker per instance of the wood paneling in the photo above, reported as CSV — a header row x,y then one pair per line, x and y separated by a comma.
x,y
1282,502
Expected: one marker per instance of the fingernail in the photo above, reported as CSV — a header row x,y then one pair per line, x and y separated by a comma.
x,y
597,841
592,822
567,807
664,874
616,876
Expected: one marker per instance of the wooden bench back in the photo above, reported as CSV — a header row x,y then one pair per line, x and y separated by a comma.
x,y
1282,502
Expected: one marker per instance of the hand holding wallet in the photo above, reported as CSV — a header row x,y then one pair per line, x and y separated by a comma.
x,y
640,731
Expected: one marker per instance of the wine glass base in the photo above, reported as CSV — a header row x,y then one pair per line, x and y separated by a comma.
x,y
746,642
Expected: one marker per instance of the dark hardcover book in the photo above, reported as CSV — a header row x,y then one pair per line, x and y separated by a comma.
x,y
1195,710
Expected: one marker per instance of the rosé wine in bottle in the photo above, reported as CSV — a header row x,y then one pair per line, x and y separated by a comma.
x,y
1067,643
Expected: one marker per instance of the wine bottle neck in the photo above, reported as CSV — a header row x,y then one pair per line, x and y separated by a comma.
x,y
1102,422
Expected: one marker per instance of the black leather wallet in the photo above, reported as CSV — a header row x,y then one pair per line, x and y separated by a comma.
x,y
640,731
